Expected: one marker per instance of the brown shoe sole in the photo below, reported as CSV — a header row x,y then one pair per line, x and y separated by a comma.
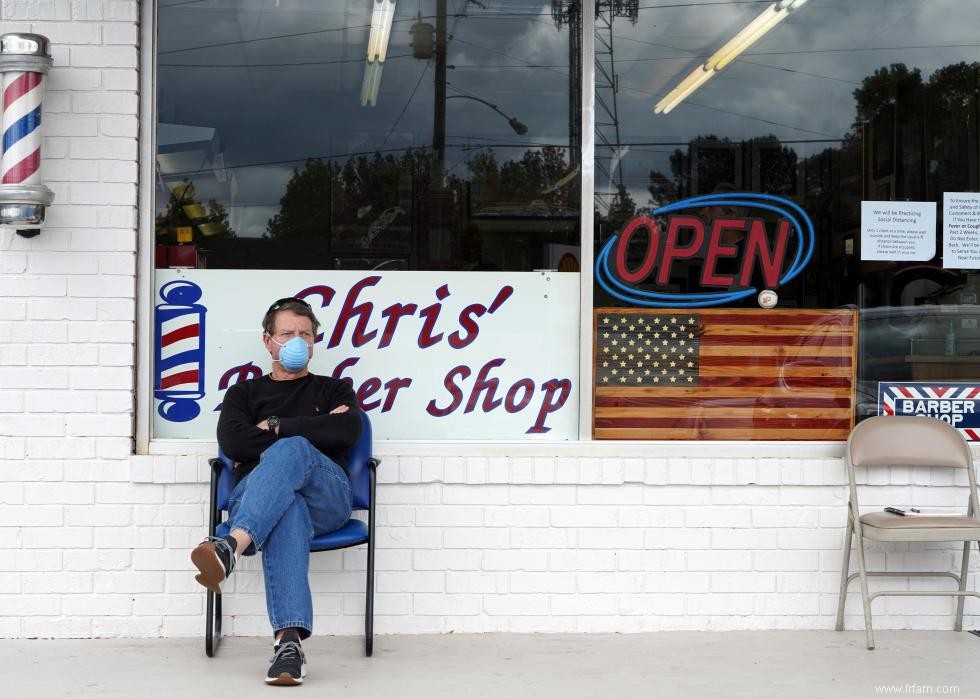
x,y
212,572
284,680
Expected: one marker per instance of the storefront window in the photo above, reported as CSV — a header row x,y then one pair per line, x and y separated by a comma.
x,y
281,146
369,156
825,151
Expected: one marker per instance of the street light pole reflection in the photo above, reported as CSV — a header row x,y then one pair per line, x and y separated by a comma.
x,y
519,128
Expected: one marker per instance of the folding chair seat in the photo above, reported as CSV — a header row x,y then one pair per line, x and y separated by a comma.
x,y
362,467
914,442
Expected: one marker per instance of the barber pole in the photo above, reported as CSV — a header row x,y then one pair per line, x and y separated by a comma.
x,y
24,60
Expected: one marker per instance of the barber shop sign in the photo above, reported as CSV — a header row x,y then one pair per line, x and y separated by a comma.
x,y
777,250
434,355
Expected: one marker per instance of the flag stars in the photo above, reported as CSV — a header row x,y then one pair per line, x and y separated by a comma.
x,y
622,379
673,379
673,320
623,321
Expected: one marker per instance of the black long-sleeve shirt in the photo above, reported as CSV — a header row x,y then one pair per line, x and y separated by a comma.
x,y
303,406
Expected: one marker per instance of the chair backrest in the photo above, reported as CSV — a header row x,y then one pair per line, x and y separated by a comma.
x,y
358,467
905,440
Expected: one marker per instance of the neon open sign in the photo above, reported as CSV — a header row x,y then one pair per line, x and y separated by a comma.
x,y
687,236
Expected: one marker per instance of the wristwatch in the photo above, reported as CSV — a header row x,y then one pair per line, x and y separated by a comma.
x,y
273,423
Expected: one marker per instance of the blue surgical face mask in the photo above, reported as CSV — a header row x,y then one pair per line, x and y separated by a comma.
x,y
294,355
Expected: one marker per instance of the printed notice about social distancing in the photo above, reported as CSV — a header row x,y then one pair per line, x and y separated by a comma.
x,y
898,230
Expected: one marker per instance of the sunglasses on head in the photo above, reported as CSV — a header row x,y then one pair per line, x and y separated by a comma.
x,y
289,299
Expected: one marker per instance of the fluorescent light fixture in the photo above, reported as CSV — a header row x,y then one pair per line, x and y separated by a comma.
x,y
377,49
381,17
687,86
371,84
720,59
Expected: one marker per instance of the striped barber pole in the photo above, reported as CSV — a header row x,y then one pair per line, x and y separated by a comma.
x,y
179,355
956,403
21,159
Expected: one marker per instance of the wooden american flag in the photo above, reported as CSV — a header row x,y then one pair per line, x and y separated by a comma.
x,y
724,374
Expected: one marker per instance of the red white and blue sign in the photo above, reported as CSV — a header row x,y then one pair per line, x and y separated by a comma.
x,y
677,232
955,403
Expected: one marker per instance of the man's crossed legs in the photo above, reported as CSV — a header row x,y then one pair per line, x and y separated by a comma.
x,y
294,494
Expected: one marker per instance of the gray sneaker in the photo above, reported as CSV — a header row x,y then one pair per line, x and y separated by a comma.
x,y
288,665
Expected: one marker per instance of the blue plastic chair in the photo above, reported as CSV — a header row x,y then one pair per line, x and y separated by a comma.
x,y
362,469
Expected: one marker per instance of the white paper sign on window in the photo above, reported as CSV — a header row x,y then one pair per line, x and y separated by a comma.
x,y
961,230
898,230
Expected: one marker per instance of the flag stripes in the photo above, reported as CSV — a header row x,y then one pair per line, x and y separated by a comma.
x,y
739,374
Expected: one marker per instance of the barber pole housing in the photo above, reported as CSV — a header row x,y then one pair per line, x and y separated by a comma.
x,y
24,61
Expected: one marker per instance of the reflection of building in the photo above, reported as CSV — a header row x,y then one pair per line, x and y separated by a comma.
x,y
193,155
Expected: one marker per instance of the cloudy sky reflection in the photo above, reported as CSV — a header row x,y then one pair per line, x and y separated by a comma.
x,y
279,80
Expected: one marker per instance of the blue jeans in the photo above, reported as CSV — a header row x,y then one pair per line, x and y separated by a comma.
x,y
294,494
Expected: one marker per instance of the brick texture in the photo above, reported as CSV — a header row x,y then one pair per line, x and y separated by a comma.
x,y
94,541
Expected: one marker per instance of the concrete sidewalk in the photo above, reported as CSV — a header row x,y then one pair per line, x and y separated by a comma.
x,y
784,664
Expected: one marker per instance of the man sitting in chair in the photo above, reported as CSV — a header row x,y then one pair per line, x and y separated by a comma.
x,y
289,433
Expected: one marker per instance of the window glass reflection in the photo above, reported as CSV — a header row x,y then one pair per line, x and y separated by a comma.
x,y
827,105
300,134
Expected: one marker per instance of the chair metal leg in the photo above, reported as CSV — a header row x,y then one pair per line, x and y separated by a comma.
x,y
369,604
369,583
964,567
212,617
863,571
845,567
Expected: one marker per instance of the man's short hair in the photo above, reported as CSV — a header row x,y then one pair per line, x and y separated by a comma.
x,y
297,306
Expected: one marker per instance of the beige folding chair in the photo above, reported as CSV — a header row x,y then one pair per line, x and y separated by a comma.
x,y
914,442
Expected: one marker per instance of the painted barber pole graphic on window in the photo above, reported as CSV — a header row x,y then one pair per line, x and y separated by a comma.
x,y
21,160
955,403
179,365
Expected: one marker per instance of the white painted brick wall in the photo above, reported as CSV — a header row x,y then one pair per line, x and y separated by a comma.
x,y
94,541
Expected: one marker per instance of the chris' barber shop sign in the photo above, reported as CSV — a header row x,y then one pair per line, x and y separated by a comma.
x,y
766,247
442,355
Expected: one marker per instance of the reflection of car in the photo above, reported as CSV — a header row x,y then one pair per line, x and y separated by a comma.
x,y
916,343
